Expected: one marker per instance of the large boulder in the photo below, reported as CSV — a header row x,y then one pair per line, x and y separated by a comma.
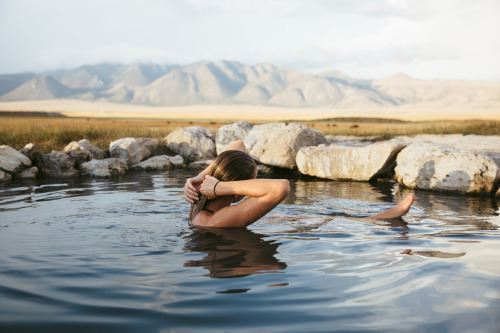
x,y
442,168
12,161
227,134
486,145
192,143
161,162
104,168
352,163
258,131
56,164
278,145
148,143
130,149
83,151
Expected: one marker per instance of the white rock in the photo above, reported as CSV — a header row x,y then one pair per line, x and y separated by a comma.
x,y
77,152
12,161
351,141
177,161
475,143
488,145
129,149
161,162
199,164
30,173
352,163
104,168
193,143
278,146
443,168
258,131
83,151
227,134
148,143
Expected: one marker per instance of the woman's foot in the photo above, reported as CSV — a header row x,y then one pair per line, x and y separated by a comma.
x,y
398,211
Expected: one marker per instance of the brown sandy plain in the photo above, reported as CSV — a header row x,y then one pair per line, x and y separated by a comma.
x,y
76,108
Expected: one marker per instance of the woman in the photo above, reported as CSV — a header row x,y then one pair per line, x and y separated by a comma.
x,y
231,177
227,180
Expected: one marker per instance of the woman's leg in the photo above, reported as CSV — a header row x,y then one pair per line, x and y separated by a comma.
x,y
398,211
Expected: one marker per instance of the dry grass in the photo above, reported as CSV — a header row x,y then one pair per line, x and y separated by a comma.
x,y
387,128
55,133
49,133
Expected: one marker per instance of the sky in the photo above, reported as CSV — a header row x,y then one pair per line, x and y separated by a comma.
x,y
369,39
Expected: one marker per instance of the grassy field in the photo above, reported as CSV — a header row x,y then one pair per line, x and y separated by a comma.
x,y
53,133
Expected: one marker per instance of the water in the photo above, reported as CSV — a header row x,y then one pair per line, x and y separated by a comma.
x,y
119,256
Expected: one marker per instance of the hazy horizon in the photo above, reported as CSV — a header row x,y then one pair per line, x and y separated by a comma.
x,y
449,39
148,61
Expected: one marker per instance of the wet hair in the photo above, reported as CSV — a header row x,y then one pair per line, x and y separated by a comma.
x,y
230,165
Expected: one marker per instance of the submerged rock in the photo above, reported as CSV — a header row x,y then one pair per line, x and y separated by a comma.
x,y
199,165
104,168
161,162
56,164
30,173
130,149
192,143
227,134
83,151
12,161
278,144
442,168
352,163
4,176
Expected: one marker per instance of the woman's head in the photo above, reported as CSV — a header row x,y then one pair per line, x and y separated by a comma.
x,y
233,165
230,165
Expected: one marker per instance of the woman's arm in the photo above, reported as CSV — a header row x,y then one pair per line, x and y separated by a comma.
x,y
192,186
264,195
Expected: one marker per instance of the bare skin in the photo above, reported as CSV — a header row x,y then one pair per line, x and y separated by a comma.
x,y
263,196
401,209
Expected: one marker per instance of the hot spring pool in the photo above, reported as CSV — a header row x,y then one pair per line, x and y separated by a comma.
x,y
119,256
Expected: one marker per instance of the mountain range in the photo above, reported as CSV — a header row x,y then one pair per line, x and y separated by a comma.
x,y
231,82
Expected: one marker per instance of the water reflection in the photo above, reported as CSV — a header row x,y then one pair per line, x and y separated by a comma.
x,y
370,192
233,252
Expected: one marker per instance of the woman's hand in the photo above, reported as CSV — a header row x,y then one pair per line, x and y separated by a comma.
x,y
207,187
192,188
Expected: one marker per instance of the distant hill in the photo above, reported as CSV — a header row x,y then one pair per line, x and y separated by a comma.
x,y
40,87
230,82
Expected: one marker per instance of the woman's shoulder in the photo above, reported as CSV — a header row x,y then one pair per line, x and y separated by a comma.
x,y
203,218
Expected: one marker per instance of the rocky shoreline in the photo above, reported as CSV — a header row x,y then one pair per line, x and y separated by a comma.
x,y
455,163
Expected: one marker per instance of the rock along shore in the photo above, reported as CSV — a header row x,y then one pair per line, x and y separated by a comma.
x,y
455,163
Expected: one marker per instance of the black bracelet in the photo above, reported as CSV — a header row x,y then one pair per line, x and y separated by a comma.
x,y
215,187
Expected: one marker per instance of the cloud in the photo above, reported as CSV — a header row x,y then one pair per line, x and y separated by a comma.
x,y
364,38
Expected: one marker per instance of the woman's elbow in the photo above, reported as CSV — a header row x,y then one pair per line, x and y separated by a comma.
x,y
239,145
283,189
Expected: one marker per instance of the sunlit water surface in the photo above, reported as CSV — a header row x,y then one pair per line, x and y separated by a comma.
x,y
118,256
